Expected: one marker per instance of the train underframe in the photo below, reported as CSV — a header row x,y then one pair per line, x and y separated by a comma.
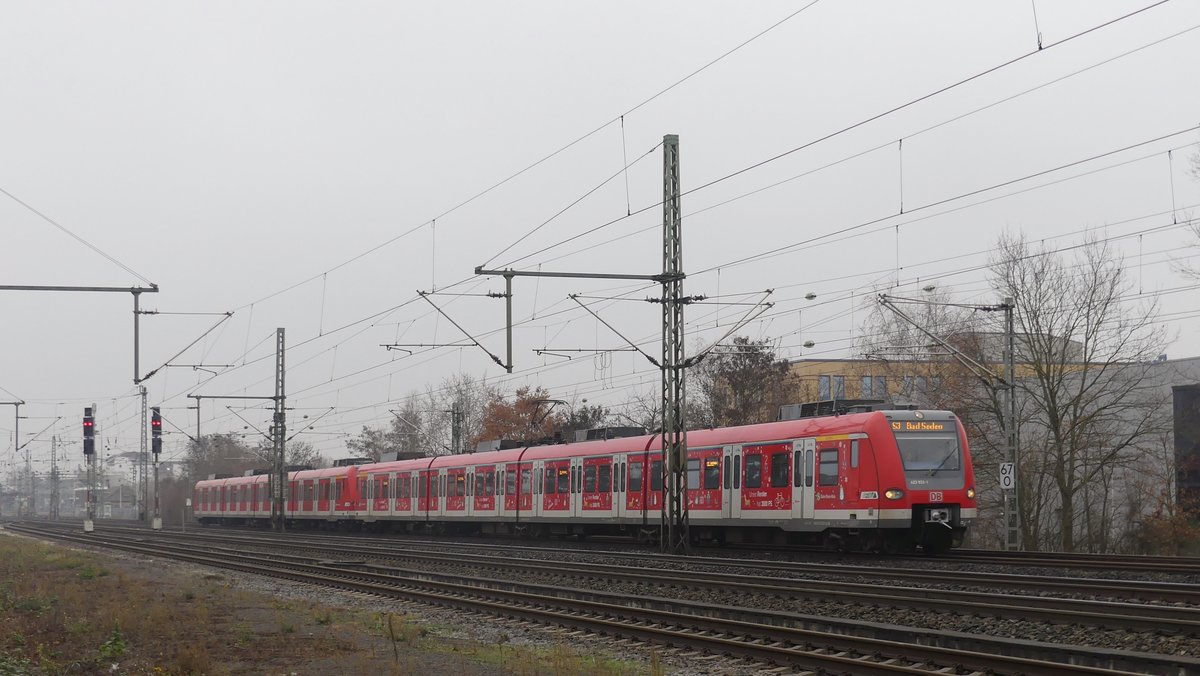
x,y
930,537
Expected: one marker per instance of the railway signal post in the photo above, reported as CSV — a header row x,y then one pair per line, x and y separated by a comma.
x,y
89,455
156,448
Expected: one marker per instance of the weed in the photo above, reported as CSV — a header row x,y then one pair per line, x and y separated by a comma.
x,y
193,659
189,595
32,605
12,665
79,626
91,572
115,646
244,637
324,617
287,628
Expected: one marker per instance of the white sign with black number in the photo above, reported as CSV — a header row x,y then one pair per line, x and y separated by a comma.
x,y
1008,476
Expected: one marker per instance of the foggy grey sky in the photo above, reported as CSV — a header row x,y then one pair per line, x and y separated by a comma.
x,y
228,151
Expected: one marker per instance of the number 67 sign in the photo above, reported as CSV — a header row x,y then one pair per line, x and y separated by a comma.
x,y
1008,476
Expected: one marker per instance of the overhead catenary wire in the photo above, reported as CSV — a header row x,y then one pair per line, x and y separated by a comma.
x,y
76,237
880,146
543,159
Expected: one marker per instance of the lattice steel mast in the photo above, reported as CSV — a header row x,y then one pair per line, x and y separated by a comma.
x,y
674,532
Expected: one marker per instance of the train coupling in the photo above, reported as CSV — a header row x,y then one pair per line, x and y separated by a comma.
x,y
938,515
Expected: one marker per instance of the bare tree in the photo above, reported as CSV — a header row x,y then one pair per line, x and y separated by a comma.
x,y
741,383
1088,385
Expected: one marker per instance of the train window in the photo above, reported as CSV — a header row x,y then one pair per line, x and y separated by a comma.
x,y
737,471
362,487
693,473
779,470
525,481
549,487
854,453
635,477
589,479
460,485
753,471
480,479
656,475
491,483
797,471
604,478
808,468
621,481
564,480
510,483
727,472
829,467
712,473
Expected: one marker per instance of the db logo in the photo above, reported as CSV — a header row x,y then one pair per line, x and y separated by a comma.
x,y
935,496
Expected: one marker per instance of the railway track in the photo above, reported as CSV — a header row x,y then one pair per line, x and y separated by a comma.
x,y
757,635
1184,565
1113,615
1140,590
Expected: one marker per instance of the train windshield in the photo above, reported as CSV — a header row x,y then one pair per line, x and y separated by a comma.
x,y
932,453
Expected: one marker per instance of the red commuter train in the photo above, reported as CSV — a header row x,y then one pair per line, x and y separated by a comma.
x,y
877,481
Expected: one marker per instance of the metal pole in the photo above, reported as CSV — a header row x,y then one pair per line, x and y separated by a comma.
x,y
456,424
54,478
137,374
508,363
1012,503
17,435
156,524
143,481
674,530
279,431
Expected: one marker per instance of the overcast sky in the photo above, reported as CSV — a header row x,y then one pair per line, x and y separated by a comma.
x,y
286,161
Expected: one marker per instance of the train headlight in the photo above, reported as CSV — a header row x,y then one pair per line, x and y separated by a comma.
x,y
971,493
893,494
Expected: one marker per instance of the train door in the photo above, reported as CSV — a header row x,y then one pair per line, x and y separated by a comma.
x,y
733,481
704,482
424,488
618,486
576,493
307,499
401,497
557,488
380,494
803,455
635,489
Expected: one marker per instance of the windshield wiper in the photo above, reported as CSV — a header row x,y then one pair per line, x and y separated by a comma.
x,y
942,464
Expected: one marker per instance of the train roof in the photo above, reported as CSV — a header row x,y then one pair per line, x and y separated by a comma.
x,y
701,438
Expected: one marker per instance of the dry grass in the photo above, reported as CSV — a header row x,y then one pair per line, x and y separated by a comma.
x,y
64,611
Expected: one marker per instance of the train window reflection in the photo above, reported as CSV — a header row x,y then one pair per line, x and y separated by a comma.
x,y
753,471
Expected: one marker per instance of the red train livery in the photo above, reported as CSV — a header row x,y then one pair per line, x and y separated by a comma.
x,y
880,481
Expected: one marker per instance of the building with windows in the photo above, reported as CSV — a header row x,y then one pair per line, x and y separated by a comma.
x,y
836,379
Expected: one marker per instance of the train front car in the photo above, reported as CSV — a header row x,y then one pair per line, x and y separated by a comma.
x,y
926,481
